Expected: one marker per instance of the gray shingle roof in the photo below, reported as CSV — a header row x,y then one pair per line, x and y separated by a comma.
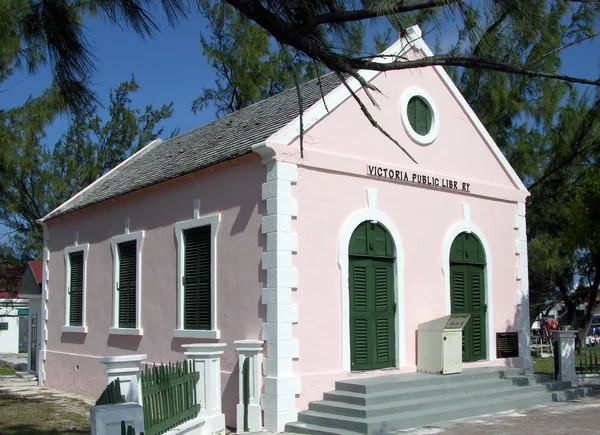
x,y
220,140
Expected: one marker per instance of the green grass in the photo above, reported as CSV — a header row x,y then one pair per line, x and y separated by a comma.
x,y
42,416
543,366
546,365
7,369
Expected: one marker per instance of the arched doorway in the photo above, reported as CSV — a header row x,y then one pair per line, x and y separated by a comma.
x,y
372,301
467,293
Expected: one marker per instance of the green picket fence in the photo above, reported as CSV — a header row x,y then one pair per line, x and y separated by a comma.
x,y
111,394
169,396
587,362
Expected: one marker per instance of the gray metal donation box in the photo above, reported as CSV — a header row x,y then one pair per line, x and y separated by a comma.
x,y
440,344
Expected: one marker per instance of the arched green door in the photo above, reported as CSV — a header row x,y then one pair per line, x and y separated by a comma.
x,y
467,290
372,301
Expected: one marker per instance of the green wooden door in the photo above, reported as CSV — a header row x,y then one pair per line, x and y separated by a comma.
x,y
372,306
467,287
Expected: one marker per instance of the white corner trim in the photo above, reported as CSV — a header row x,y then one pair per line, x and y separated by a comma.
x,y
67,252
344,242
131,157
427,139
196,333
75,329
43,315
180,227
453,232
126,331
138,236
420,44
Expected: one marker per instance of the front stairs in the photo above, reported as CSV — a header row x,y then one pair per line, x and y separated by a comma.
x,y
390,403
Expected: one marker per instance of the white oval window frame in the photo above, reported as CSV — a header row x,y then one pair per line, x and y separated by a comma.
x,y
435,117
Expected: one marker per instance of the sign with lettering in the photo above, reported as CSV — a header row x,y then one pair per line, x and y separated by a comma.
x,y
507,344
457,321
413,177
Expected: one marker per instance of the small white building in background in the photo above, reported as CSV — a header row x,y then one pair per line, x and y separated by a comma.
x,y
30,290
13,325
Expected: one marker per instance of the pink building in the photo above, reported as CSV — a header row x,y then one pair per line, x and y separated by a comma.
x,y
332,258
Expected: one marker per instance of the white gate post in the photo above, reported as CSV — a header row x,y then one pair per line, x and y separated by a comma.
x,y
207,359
566,354
128,369
251,350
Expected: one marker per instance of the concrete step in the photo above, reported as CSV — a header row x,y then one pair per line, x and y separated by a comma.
x,y
428,391
410,403
383,424
414,380
386,404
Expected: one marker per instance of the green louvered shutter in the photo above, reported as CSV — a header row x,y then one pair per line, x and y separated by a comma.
x,y
127,284
360,328
478,343
458,296
383,315
419,115
76,289
197,278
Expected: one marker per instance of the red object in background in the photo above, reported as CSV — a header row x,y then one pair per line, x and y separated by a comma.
x,y
552,325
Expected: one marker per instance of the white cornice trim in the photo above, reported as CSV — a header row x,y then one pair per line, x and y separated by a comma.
x,y
128,159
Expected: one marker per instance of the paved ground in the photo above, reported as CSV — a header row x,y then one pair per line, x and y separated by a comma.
x,y
581,417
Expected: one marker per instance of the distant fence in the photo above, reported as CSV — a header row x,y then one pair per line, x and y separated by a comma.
x,y
587,362
169,396
111,394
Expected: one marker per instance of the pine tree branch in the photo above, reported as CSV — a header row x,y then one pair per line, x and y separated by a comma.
x,y
370,117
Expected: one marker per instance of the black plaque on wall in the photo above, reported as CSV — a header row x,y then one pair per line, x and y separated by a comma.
x,y
507,344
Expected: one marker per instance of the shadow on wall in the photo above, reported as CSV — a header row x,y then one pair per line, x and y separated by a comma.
x,y
519,325
230,395
126,342
72,337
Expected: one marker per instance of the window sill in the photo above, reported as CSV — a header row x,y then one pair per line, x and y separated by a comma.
x,y
126,331
196,333
77,329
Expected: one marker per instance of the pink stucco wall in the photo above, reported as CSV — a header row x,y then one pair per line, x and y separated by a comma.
x,y
231,189
332,183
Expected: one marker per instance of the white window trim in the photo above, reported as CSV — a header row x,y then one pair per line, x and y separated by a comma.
x,y
180,227
343,262
138,236
435,116
70,250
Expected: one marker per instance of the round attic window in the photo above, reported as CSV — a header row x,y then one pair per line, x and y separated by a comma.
x,y
420,116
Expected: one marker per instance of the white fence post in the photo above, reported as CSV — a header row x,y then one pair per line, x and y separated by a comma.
x,y
207,359
128,369
251,350
566,353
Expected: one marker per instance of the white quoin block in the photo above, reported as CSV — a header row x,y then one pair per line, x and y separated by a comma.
x,y
278,367
287,206
282,313
128,369
250,350
276,421
277,295
276,188
282,278
282,171
521,209
283,386
278,222
274,259
282,242
207,359
277,331
283,349
566,352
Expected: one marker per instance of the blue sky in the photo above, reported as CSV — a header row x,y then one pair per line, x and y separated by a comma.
x,y
171,67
